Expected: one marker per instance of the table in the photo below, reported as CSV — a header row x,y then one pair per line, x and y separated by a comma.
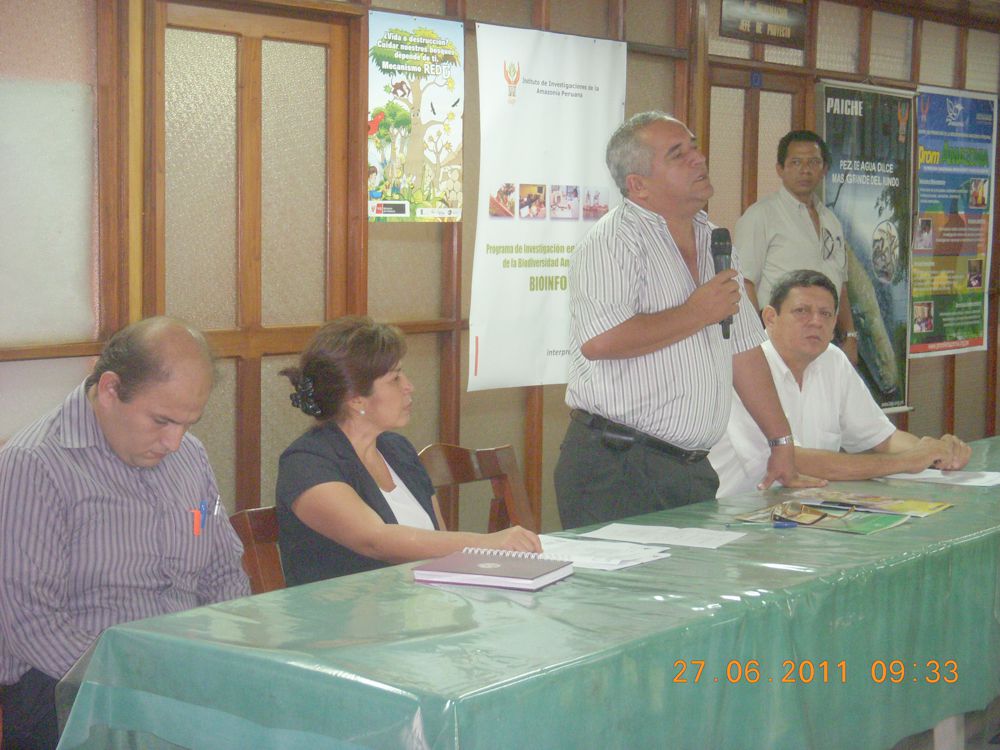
x,y
600,660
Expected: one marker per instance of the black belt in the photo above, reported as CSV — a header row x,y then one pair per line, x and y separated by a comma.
x,y
622,437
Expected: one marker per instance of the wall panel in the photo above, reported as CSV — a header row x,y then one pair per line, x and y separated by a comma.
x,y
983,70
293,183
35,387
937,54
650,83
839,33
892,37
217,430
927,396
775,121
201,200
580,17
650,22
970,395
726,157
404,271
505,13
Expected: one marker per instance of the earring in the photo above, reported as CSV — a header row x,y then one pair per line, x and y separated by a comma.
x,y
361,412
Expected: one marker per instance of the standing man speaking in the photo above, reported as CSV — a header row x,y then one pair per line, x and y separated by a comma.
x,y
651,373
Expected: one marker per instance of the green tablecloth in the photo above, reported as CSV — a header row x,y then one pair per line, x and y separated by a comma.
x,y
374,660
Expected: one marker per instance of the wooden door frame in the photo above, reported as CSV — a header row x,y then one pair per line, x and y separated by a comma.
x,y
345,256
739,77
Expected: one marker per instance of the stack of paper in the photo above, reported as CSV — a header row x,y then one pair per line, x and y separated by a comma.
x,y
597,555
967,478
686,537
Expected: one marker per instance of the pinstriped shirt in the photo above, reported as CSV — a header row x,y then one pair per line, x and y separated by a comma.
x,y
87,541
627,265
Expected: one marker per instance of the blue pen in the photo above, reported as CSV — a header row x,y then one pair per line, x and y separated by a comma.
x,y
203,507
785,524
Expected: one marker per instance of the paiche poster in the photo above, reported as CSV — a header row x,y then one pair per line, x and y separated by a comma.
x,y
868,186
548,104
416,99
956,136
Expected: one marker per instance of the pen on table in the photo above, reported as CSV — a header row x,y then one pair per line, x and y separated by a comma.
x,y
773,524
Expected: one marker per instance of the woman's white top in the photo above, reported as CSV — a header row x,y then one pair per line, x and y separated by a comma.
x,y
406,508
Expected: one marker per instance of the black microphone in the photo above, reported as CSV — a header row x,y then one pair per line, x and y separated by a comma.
x,y
722,256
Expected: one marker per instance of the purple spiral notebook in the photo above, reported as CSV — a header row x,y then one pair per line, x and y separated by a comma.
x,y
506,569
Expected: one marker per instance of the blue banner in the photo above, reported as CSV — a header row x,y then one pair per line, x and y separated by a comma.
x,y
956,135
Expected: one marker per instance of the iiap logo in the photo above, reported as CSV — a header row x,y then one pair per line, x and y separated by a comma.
x,y
512,74
956,111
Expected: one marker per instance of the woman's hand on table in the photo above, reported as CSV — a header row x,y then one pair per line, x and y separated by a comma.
x,y
514,538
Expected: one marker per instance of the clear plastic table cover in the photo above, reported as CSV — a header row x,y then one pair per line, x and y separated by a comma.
x,y
785,638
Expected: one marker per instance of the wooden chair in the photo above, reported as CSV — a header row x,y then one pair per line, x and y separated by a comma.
x,y
258,530
450,465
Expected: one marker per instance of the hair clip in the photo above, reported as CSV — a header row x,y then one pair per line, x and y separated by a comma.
x,y
303,398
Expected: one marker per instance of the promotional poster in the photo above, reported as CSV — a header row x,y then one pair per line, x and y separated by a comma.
x,y
868,187
416,99
548,104
956,136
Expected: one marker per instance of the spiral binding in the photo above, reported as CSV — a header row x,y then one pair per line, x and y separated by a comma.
x,y
511,553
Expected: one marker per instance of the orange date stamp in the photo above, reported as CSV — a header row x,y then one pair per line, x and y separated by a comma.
x,y
810,671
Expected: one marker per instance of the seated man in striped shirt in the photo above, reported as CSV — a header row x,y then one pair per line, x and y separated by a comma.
x,y
109,512
840,432
652,368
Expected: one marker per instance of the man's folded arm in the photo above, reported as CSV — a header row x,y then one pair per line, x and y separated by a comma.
x,y
901,452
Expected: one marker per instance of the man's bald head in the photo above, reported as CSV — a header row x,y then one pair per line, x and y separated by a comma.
x,y
150,351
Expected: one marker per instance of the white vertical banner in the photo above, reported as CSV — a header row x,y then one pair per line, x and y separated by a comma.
x,y
548,104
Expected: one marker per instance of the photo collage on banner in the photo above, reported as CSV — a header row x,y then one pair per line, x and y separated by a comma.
x,y
956,133
548,104
868,187
416,101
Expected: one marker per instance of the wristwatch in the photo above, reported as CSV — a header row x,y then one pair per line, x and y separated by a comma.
x,y
783,440
851,335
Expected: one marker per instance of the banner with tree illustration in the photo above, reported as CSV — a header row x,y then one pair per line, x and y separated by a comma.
x,y
869,187
548,104
956,136
416,92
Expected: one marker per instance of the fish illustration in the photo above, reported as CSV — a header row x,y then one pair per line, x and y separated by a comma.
x,y
874,344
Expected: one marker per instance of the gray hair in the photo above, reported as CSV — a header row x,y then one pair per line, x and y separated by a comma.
x,y
627,152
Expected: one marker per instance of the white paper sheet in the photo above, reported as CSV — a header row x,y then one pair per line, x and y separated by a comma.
x,y
690,537
967,478
599,555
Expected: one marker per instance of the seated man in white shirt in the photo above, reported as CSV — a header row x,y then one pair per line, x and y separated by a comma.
x,y
827,404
